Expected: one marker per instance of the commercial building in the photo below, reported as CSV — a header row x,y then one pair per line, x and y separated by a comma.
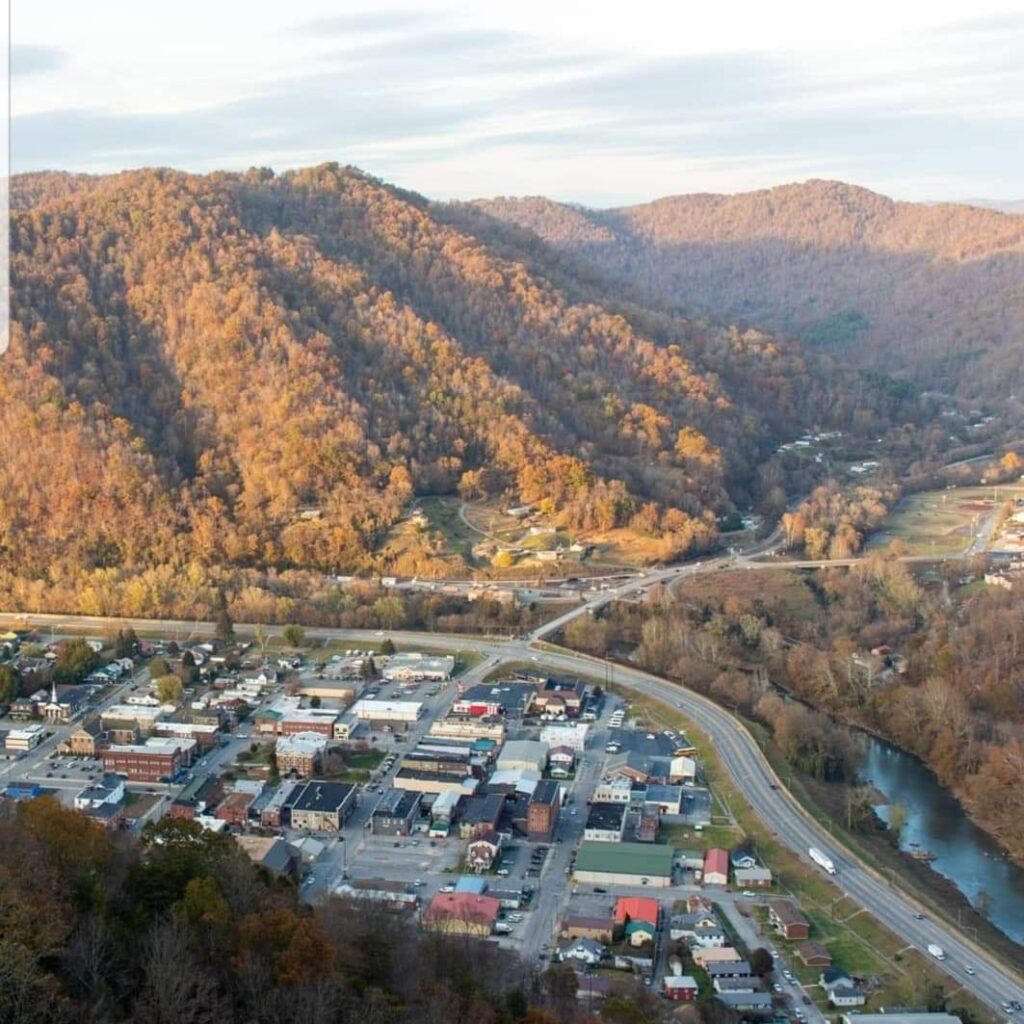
x,y
322,806
319,720
300,753
462,913
479,814
204,735
899,1016
234,808
200,795
458,726
24,738
395,813
494,699
414,667
572,735
526,755
387,711
605,823
588,927
624,864
156,760
86,740
542,811
434,782
142,717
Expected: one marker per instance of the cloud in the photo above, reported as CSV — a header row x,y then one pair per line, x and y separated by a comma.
x,y
36,60
364,22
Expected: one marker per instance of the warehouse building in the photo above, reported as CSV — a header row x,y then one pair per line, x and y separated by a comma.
x,y
624,864
523,755
390,711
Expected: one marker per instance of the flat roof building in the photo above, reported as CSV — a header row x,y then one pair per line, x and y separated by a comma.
x,y
624,863
387,710
322,806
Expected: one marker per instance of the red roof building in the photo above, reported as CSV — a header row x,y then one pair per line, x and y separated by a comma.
x,y
636,908
462,913
716,867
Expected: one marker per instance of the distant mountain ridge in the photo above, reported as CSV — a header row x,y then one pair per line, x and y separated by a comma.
x,y
933,292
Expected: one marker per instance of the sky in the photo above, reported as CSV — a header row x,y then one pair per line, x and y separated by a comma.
x,y
597,103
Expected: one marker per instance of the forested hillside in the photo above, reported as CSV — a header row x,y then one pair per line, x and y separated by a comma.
x,y
933,292
247,372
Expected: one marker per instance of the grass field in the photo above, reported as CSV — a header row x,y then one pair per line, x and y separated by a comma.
x,y
941,522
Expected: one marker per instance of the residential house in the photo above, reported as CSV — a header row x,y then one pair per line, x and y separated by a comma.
x,y
483,850
709,936
583,950
742,984
750,1002
814,954
561,760
785,917
684,927
640,932
753,878
728,969
278,857
680,988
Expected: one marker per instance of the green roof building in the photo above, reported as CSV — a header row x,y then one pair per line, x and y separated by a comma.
x,y
624,864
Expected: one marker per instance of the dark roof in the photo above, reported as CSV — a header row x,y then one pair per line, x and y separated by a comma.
x,y
318,795
478,810
545,792
397,803
736,967
606,815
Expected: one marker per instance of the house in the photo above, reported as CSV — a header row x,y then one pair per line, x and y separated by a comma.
x,y
746,984
277,856
814,954
845,996
395,812
752,878
605,823
542,811
709,936
561,760
200,795
755,1002
680,987
728,969
462,913
786,919
639,932
322,806
716,867
103,801
684,927
582,927
584,950
483,850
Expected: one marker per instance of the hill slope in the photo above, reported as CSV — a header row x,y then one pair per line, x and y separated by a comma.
x,y
255,372
935,292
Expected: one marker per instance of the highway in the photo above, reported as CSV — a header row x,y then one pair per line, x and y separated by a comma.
x,y
739,752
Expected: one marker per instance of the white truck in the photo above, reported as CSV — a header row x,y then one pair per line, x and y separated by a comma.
x,y
822,860
936,951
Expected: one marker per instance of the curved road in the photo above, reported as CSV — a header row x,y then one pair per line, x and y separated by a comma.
x,y
739,752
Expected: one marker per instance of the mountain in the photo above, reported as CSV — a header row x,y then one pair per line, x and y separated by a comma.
x,y
1003,205
255,372
934,293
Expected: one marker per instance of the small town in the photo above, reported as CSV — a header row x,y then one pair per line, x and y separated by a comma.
x,y
533,811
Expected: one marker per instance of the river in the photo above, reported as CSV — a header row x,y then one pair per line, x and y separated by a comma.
x,y
965,854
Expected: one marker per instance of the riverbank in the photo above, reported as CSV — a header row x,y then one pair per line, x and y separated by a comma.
x,y
827,802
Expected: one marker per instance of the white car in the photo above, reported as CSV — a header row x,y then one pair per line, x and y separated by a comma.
x,y
750,894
